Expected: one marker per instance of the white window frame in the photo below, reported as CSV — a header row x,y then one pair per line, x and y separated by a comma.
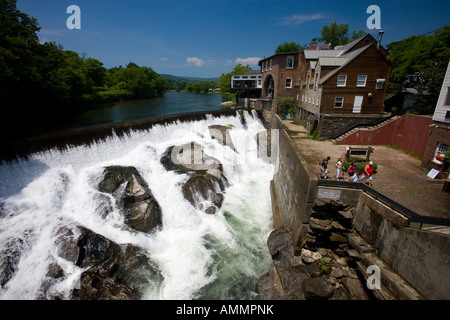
x,y
287,62
365,81
342,102
441,147
339,80
286,82
447,97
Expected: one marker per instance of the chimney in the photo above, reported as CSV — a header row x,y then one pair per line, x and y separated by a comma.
x,y
380,36
313,44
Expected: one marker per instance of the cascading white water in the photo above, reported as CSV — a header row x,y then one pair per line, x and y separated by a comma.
x,y
198,256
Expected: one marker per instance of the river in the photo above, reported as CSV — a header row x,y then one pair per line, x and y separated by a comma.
x,y
168,104
197,255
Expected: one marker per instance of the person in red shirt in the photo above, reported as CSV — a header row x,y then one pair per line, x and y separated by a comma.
x,y
368,173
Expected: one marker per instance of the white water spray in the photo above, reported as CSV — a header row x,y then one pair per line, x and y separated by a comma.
x,y
198,256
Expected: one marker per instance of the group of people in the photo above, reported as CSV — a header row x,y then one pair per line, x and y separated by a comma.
x,y
366,174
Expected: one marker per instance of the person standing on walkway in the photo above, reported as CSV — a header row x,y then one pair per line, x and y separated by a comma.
x,y
368,173
339,167
324,167
351,169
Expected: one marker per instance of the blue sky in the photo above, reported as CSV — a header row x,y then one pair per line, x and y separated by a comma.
x,y
201,38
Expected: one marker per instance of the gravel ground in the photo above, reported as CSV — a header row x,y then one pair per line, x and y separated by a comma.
x,y
399,175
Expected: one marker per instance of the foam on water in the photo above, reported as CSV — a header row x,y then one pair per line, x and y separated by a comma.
x,y
198,256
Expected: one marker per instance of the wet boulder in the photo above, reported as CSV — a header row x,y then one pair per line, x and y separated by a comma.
x,y
109,266
134,198
206,183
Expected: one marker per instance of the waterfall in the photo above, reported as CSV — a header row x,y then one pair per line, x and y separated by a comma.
x,y
195,255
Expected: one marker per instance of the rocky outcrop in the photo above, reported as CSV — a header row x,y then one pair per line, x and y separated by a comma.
x,y
325,267
109,266
206,184
133,196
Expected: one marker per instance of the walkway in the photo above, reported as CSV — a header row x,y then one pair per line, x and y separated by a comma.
x,y
399,176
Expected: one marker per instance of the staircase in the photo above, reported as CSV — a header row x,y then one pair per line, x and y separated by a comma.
x,y
368,127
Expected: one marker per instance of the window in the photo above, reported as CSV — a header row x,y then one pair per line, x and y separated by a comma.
x,y
361,82
266,64
441,148
270,64
380,84
338,102
342,80
288,82
290,63
447,101
447,116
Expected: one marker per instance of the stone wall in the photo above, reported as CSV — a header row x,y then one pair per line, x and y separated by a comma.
x,y
330,126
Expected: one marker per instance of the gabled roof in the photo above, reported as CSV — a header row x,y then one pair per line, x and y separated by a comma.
x,y
332,61
346,59
315,54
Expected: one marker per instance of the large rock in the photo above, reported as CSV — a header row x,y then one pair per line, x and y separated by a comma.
x,y
206,184
136,202
269,285
317,288
109,266
9,259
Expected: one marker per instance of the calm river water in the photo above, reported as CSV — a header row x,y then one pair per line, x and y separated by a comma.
x,y
169,104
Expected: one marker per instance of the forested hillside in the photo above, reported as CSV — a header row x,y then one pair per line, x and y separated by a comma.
x,y
43,82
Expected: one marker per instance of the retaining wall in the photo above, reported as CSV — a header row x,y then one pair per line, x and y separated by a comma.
x,y
420,258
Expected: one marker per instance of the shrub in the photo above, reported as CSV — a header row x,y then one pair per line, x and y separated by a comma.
x,y
360,164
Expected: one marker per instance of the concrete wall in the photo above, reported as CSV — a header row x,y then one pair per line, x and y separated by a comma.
x,y
295,187
420,257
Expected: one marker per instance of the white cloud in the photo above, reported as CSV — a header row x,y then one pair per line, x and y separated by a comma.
x,y
299,19
196,61
164,59
250,60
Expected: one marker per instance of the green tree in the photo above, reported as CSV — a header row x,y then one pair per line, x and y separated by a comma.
x,y
290,47
337,34
420,62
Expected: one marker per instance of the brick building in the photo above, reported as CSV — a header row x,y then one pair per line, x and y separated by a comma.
x,y
281,74
343,86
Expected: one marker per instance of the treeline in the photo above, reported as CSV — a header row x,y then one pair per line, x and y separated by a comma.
x,y
420,62
44,82
189,86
